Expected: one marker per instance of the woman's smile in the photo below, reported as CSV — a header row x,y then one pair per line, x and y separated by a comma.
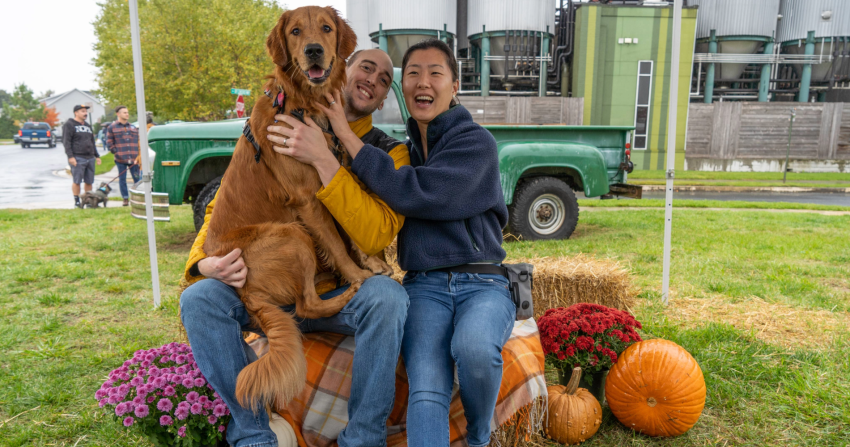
x,y
428,84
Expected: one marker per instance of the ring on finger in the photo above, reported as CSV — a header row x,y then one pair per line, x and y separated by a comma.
x,y
332,103
284,141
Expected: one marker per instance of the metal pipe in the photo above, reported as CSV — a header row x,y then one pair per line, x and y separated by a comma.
x,y
147,176
382,38
559,55
485,64
806,78
671,147
544,45
709,76
764,83
788,152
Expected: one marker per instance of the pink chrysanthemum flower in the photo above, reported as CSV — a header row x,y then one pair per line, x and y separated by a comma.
x,y
197,408
182,431
165,420
128,421
165,404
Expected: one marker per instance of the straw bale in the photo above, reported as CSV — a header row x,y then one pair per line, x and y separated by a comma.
x,y
564,281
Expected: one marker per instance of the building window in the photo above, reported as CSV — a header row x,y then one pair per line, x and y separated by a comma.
x,y
644,92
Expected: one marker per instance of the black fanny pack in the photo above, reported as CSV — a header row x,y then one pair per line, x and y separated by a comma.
x,y
520,279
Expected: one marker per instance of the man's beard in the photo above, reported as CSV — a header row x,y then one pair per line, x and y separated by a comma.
x,y
349,103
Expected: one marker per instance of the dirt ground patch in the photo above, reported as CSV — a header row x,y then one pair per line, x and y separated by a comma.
x,y
774,323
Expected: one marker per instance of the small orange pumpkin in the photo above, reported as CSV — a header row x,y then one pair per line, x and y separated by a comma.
x,y
574,414
656,388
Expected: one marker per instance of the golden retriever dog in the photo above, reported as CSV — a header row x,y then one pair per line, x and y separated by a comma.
x,y
267,206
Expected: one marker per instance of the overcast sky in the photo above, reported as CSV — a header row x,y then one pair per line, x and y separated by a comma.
x,y
48,44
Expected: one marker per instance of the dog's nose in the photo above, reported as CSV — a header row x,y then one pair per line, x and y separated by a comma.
x,y
314,51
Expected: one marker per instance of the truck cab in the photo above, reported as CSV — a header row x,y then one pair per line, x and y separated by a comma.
x,y
541,165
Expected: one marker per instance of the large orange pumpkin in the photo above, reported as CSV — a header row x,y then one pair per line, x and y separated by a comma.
x,y
574,414
656,388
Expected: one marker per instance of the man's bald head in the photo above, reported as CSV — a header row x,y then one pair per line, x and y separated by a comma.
x,y
370,76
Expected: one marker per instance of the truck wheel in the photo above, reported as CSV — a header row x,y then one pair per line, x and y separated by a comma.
x,y
199,208
544,208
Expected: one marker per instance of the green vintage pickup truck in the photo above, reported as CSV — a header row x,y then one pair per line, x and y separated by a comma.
x,y
541,165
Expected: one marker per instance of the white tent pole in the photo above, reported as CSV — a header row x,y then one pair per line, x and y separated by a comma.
x,y
143,145
671,145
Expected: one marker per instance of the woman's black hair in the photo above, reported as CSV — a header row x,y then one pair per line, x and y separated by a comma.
x,y
438,45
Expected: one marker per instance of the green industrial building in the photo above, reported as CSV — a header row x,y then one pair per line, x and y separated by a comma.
x,y
621,67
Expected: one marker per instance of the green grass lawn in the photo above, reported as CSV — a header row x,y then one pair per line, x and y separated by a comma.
x,y
107,163
75,303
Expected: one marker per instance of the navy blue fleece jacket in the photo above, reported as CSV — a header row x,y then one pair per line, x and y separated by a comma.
x,y
452,202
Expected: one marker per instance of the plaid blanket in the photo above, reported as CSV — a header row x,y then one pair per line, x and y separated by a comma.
x,y
320,413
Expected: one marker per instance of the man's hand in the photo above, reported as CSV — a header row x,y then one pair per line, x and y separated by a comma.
x,y
72,161
229,269
98,161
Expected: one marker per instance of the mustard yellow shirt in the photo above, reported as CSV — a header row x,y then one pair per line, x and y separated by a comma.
x,y
368,220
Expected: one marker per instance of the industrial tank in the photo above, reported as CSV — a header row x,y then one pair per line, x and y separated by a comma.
x,y
518,21
830,20
741,27
357,14
405,22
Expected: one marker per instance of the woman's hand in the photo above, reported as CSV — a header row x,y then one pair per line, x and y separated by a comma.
x,y
306,143
336,117
335,112
229,269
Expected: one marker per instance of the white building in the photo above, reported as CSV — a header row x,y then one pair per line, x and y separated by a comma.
x,y
65,102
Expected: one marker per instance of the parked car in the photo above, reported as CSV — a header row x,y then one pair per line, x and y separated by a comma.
x,y
36,133
17,138
540,165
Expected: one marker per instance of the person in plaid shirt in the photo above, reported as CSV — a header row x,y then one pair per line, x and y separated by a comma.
x,y
122,139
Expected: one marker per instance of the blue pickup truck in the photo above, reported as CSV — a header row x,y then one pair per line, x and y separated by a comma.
x,y
36,133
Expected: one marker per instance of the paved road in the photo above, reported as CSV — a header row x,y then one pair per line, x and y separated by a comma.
x,y
27,178
801,197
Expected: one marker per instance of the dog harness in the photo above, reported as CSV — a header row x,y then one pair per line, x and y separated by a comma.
x,y
279,103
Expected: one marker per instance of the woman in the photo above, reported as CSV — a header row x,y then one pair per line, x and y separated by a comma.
x,y
455,211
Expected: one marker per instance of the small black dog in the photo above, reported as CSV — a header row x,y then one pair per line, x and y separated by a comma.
x,y
92,199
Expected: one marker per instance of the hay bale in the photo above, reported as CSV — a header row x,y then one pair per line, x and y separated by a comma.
x,y
564,281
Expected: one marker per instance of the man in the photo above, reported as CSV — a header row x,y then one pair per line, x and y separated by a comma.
x,y
122,139
214,317
78,139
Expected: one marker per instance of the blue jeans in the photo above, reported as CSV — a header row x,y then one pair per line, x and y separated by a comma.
x,y
122,177
460,319
214,319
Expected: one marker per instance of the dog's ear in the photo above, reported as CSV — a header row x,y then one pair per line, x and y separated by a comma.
x,y
346,40
277,45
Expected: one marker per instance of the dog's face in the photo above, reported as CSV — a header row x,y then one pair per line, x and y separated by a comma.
x,y
310,43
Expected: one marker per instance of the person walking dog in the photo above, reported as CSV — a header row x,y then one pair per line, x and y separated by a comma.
x,y
122,138
78,139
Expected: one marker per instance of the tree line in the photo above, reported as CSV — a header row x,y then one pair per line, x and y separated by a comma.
x,y
21,106
193,54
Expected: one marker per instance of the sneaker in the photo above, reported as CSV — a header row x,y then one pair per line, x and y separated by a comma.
x,y
126,202
78,205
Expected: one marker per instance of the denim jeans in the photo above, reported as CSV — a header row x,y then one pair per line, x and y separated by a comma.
x,y
214,319
460,319
122,177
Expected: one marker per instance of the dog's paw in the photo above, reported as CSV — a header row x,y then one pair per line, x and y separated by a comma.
x,y
375,265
